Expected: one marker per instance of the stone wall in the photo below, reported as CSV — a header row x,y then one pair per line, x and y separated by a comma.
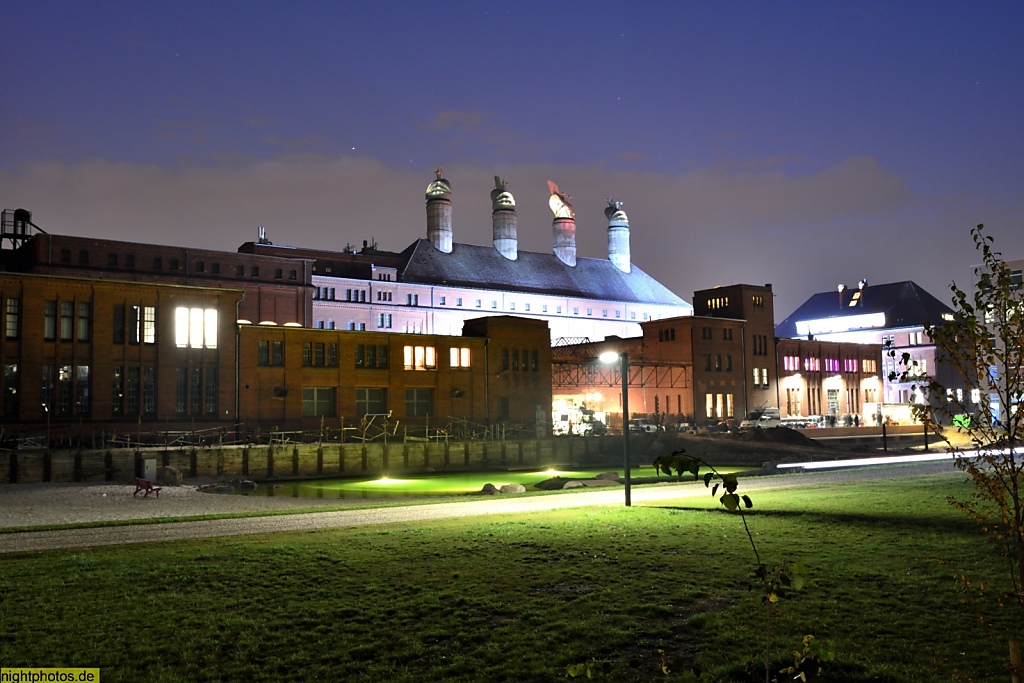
x,y
306,460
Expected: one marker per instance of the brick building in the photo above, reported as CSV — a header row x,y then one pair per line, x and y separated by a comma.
x,y
82,352
718,365
497,372
277,289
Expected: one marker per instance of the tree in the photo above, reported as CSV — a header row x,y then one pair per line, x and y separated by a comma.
x,y
983,347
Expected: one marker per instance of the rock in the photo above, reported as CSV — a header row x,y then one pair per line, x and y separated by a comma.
x,y
247,485
490,489
612,476
574,484
553,484
512,488
592,483
168,476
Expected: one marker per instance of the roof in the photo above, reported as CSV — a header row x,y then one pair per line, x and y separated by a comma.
x,y
483,267
893,305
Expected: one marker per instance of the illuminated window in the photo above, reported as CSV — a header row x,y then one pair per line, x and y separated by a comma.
x,y
149,325
13,310
420,358
459,357
194,328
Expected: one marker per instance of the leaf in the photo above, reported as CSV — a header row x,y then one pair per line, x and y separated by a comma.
x,y
747,502
707,480
731,501
714,490
730,482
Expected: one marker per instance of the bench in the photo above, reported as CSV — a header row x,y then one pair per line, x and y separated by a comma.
x,y
147,486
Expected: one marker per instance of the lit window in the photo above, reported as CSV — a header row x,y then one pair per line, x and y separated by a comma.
x,y
195,327
149,325
460,357
420,358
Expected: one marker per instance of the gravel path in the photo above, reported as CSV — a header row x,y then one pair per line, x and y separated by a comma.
x,y
28,505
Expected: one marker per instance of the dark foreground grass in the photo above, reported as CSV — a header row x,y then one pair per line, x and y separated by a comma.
x,y
522,598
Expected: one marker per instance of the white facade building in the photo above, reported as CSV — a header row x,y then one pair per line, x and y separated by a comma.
x,y
436,283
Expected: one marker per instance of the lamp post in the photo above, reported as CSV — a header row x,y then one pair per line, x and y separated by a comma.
x,y
623,358
46,409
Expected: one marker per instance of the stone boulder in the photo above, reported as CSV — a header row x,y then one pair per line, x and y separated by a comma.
x,y
610,476
168,476
592,483
490,489
552,484
512,488
574,484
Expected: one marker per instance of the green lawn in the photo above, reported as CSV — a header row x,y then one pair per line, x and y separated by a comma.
x,y
524,597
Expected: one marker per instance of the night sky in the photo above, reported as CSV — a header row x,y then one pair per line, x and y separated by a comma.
x,y
800,143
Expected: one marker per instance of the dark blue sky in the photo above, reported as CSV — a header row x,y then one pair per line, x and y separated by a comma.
x,y
800,143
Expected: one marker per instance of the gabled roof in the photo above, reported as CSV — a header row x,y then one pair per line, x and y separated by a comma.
x,y
903,304
483,267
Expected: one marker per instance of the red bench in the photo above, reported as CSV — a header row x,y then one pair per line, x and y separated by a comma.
x,y
147,486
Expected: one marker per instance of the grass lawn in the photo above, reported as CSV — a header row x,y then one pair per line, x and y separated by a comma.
x,y
522,598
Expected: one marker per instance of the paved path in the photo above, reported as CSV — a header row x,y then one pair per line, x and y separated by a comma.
x,y
77,538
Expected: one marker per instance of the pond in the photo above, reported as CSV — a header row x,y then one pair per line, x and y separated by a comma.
x,y
396,487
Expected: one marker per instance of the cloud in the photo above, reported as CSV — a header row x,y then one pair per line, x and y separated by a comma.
x,y
455,121
803,232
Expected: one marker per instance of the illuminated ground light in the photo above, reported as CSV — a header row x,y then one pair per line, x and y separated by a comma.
x,y
389,481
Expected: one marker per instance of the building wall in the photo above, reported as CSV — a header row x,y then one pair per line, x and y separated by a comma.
x,y
827,378
276,289
747,339
275,391
108,353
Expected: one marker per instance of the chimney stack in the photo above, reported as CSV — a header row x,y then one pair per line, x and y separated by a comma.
x,y
564,225
503,218
618,235
439,213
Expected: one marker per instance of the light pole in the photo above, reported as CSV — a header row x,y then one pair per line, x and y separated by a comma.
x,y
46,409
623,358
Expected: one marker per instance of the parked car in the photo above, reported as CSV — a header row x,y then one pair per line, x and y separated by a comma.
x,y
644,426
763,418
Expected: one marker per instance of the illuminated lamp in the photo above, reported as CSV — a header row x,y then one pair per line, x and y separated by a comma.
x,y
243,321
268,322
293,324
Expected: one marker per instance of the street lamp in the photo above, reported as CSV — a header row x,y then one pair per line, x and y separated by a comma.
x,y
623,358
46,409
